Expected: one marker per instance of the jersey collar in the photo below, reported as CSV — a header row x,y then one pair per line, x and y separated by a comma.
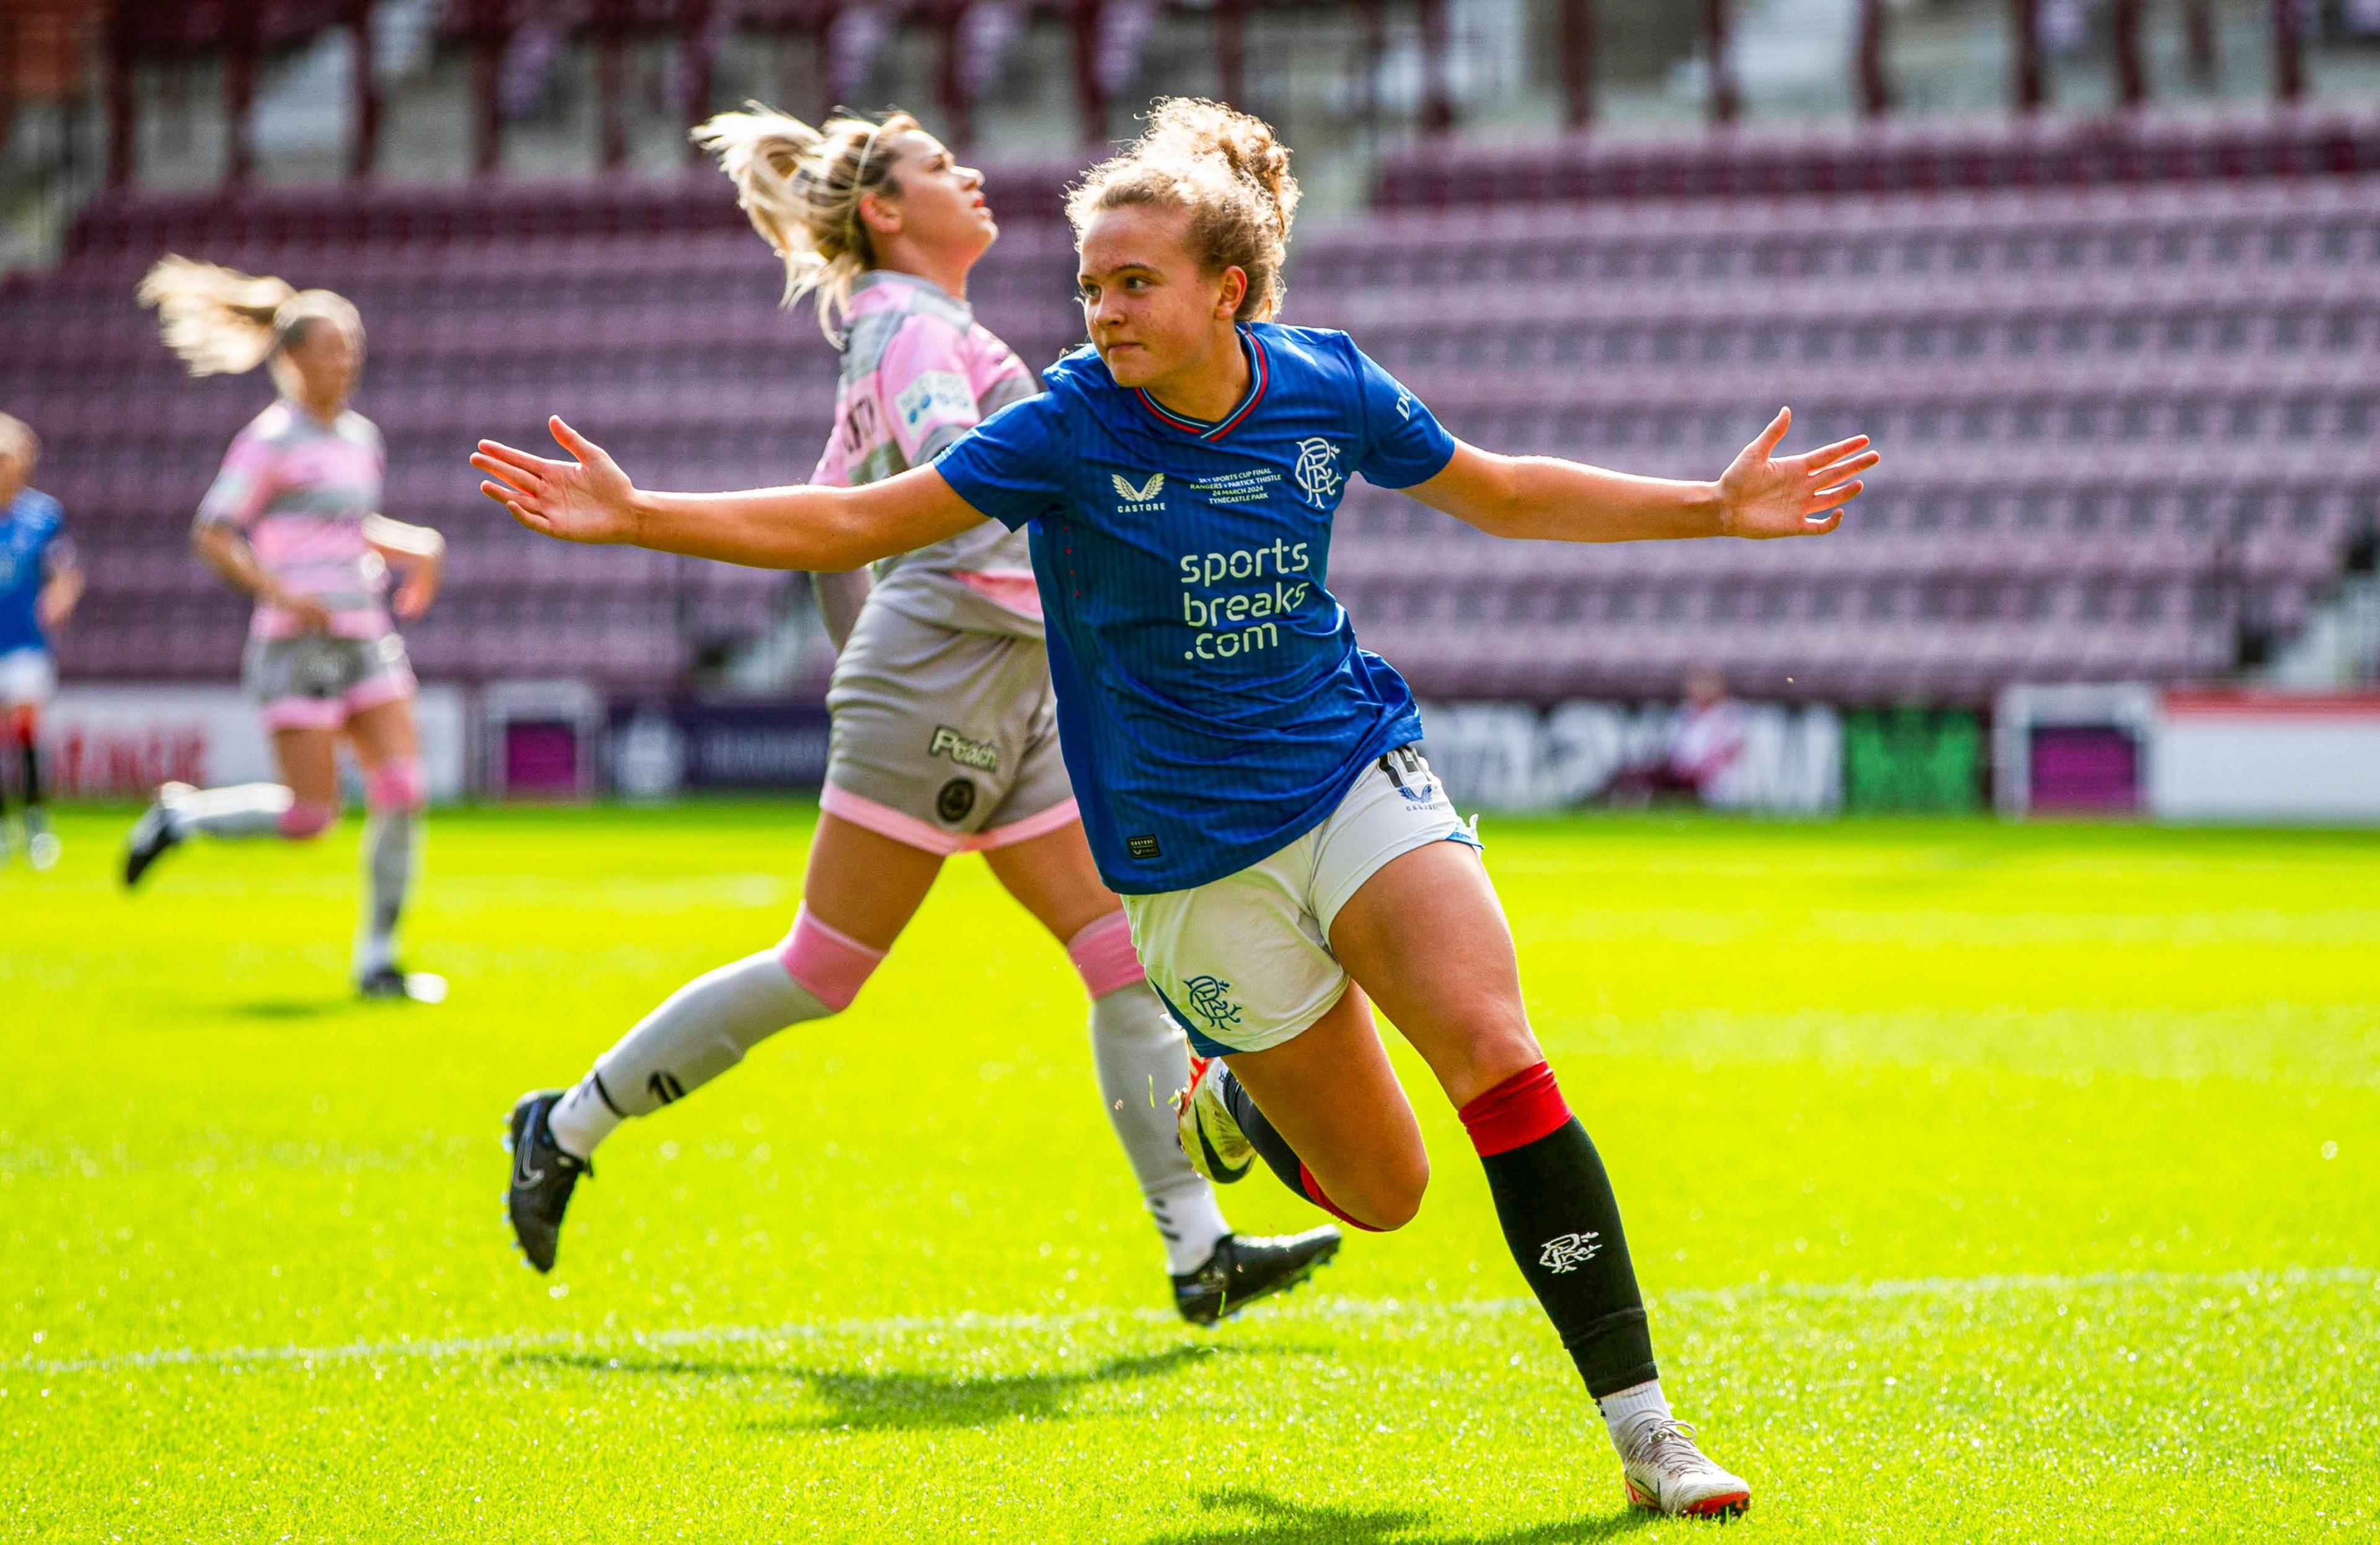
x,y
1257,372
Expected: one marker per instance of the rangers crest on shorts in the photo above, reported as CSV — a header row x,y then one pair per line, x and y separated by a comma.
x,y
1207,1000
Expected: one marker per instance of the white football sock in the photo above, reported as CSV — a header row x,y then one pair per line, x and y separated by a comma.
x,y
1623,1409
698,1032
238,810
388,869
1142,1059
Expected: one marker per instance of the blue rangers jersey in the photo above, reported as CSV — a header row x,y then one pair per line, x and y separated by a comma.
x,y
1213,706
32,547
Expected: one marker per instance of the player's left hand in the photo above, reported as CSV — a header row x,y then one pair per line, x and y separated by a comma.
x,y
1766,495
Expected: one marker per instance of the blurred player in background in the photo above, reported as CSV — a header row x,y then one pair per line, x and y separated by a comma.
x,y
40,583
292,521
945,737
1250,778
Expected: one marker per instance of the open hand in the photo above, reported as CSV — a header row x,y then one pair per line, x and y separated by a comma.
x,y
587,499
1803,495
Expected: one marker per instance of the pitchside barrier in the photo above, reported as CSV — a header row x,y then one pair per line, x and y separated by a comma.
x,y
1516,758
2189,755
121,741
2099,750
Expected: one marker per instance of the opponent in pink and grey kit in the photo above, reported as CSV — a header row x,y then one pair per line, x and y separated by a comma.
x,y
299,493
945,729
945,740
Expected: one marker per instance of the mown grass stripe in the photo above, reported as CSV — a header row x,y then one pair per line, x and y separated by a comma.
x,y
1320,1307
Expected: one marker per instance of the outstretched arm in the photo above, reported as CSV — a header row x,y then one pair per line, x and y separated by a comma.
x,y
589,499
419,554
1551,500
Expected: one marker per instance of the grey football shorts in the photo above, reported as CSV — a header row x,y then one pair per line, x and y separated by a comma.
x,y
315,681
945,740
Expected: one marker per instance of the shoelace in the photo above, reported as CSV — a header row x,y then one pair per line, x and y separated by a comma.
x,y
1664,1443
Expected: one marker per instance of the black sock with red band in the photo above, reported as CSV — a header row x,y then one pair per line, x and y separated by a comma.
x,y
1274,1150
1563,1224
1560,1220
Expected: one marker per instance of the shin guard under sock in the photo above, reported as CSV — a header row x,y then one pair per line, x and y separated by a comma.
x,y
1562,1223
1274,1150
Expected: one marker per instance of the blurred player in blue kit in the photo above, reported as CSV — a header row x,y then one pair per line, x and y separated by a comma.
x,y
40,583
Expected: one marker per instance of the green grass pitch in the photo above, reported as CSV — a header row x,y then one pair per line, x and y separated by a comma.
x,y
1988,1184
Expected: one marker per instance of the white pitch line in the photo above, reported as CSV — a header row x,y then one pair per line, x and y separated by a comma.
x,y
1322,1307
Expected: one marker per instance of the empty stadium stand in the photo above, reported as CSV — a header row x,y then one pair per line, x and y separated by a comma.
x,y
1888,155
2129,429
643,310
2128,418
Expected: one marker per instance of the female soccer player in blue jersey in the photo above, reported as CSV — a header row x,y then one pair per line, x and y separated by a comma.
x,y
1247,775
944,734
40,583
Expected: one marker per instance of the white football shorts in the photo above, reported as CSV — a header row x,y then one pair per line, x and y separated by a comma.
x,y
1244,962
27,676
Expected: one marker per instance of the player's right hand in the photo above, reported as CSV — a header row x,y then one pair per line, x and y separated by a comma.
x,y
587,499
309,615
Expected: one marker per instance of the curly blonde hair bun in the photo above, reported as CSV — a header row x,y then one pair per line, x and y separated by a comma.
x,y
1228,170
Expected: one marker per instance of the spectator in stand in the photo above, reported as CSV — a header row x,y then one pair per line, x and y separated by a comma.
x,y
1709,739
1706,740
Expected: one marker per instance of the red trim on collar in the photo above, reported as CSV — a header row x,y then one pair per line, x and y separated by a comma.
x,y
1263,373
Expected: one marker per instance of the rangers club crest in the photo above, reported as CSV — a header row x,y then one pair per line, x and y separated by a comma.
x,y
1568,1252
1208,1002
1317,471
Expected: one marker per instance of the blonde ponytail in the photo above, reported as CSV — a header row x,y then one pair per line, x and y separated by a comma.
x,y
801,187
1226,169
225,322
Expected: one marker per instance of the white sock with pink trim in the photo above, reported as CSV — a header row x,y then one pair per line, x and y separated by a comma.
x,y
1142,1059
236,810
704,1028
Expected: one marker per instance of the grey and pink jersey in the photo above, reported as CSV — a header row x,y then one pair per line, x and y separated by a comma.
x,y
300,490
918,371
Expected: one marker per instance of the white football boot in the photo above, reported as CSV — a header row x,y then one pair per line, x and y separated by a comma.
x,y
1210,1138
1666,1473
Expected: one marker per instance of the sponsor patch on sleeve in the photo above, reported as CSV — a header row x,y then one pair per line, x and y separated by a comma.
x,y
933,398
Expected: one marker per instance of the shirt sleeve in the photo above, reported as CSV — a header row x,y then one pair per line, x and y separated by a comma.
x,y
1404,443
240,491
1012,467
927,396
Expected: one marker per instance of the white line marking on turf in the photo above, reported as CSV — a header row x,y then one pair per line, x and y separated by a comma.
x,y
1323,1307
